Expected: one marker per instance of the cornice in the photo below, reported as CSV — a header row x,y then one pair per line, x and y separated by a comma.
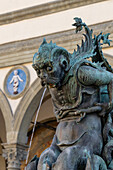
x,y
43,9
21,52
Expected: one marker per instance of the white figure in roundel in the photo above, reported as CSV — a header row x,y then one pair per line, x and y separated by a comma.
x,y
15,79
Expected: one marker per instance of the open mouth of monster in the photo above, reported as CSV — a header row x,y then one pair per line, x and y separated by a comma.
x,y
51,82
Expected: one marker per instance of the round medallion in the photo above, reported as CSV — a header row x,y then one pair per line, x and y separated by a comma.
x,y
16,82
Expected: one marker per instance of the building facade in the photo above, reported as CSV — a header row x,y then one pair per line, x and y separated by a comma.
x,y
23,25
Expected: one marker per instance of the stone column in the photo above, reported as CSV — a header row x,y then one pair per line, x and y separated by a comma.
x,y
14,154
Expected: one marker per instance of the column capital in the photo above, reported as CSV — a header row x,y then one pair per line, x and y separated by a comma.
x,y
14,153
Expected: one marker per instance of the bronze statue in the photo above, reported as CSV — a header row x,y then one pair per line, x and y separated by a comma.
x,y
82,95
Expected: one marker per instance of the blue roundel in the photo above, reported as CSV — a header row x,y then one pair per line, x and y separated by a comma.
x,y
16,82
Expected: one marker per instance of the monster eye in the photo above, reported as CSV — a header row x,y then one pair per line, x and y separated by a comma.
x,y
64,63
49,68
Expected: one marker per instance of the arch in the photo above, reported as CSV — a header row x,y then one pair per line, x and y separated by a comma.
x,y
26,109
6,111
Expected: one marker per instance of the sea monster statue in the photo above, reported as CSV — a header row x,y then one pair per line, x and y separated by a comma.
x,y
81,87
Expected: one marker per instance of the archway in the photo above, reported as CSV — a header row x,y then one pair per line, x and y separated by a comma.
x,y
6,118
27,109
2,140
6,112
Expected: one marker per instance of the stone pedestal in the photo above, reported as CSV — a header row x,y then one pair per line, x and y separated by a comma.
x,y
14,154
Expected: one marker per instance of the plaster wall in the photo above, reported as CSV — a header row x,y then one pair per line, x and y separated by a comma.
x,y
11,5
46,111
61,21
108,51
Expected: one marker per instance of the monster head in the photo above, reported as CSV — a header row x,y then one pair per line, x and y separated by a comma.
x,y
51,64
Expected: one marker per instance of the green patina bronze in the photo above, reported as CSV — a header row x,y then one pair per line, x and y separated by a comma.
x,y
82,95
